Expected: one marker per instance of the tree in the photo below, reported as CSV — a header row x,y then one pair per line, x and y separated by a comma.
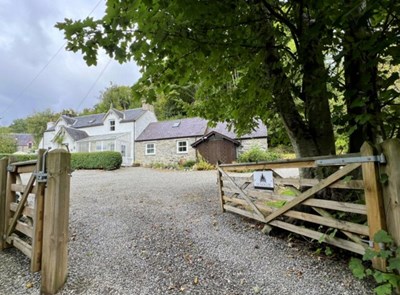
x,y
8,144
37,123
255,59
19,126
119,97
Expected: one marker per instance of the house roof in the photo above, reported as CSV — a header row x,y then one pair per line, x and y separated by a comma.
x,y
211,134
23,139
97,119
190,127
111,136
222,128
75,133
193,127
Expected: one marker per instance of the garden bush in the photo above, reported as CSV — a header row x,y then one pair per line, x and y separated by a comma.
x,y
256,154
97,160
20,157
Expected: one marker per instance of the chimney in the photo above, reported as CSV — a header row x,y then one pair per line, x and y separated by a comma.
x,y
147,106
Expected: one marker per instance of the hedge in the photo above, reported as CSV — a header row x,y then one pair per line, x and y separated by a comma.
x,y
20,157
97,160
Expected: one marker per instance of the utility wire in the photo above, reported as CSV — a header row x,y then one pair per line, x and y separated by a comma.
x,y
94,83
14,101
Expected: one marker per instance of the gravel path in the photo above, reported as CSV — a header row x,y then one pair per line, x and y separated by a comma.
x,y
143,231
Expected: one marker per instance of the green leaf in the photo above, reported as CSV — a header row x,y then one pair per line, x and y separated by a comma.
x,y
276,204
394,264
383,178
382,237
370,254
385,289
357,268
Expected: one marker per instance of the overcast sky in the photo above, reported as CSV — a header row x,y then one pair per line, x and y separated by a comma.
x,y
29,40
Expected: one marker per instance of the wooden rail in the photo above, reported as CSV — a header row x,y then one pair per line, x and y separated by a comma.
x,y
238,195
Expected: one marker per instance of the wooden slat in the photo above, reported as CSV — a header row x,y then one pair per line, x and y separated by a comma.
x,y
220,191
330,222
391,189
37,237
338,206
373,201
299,182
243,213
270,165
244,195
24,228
21,204
307,194
334,223
17,187
344,244
24,163
21,245
307,162
26,169
28,211
3,207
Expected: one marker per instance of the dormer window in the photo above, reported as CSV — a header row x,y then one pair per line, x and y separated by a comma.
x,y
112,125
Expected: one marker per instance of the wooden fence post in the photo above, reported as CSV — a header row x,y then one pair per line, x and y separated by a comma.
x,y
3,188
56,218
391,188
373,201
37,236
220,191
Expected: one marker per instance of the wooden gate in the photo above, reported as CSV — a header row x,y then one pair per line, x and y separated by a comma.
x,y
34,206
277,208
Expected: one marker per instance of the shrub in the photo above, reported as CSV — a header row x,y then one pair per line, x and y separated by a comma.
x,y
20,158
189,164
203,165
256,154
97,160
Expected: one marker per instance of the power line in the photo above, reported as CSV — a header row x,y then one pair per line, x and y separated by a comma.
x,y
94,83
41,70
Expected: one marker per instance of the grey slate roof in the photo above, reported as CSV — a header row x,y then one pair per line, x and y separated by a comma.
x,y
222,128
97,119
23,139
68,119
193,127
75,133
111,136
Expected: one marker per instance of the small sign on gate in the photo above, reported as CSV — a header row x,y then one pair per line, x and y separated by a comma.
x,y
263,179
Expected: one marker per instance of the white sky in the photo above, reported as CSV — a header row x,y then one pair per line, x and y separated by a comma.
x,y
28,40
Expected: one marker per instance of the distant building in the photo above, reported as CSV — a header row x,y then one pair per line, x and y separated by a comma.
x,y
24,142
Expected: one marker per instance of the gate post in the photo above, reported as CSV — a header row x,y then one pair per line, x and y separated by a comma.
x,y
391,189
373,201
55,222
3,188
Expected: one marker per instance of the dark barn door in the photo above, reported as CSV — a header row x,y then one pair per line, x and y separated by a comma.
x,y
217,149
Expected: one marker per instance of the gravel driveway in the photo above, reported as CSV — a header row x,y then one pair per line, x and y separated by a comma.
x,y
143,231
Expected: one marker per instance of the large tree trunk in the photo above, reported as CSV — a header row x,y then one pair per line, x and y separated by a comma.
x,y
361,94
312,136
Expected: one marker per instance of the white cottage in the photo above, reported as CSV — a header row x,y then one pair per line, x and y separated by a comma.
x,y
113,131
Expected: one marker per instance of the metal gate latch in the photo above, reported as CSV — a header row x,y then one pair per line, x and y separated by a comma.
x,y
41,176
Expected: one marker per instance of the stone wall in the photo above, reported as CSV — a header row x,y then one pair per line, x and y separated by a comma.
x,y
247,144
165,151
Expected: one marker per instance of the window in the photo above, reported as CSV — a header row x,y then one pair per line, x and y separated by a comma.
x,y
99,146
112,125
123,150
111,147
29,145
150,149
182,147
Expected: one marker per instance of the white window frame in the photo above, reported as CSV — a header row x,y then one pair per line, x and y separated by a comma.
x,y
112,125
178,146
123,150
146,149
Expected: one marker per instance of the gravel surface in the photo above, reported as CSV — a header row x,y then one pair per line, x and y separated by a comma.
x,y
143,231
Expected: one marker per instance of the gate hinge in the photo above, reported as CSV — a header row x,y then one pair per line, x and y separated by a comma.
x,y
348,160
